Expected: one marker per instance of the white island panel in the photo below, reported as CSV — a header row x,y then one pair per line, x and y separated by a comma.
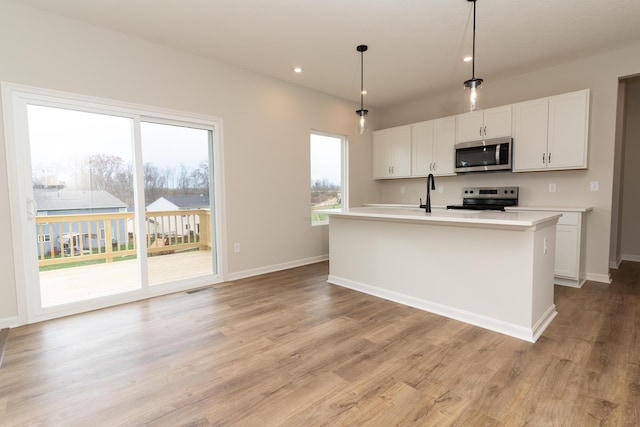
x,y
487,269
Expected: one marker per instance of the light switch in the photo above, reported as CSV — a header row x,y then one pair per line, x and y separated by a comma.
x,y
441,189
552,187
402,189
595,186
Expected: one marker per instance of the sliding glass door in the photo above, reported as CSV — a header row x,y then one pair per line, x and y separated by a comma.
x,y
82,193
120,203
178,201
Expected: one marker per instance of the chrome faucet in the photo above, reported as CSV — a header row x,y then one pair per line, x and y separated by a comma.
x,y
427,205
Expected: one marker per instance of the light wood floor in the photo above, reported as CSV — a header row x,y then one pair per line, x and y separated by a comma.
x,y
288,349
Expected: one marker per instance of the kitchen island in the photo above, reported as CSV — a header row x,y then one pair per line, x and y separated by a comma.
x,y
490,269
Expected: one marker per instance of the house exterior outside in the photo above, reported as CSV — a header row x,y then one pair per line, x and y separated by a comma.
x,y
190,223
59,202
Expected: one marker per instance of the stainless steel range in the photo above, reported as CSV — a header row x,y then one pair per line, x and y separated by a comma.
x,y
487,198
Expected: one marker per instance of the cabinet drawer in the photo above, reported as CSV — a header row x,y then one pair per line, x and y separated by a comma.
x,y
569,218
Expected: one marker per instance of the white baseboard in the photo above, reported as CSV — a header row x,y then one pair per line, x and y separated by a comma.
x,y
602,278
615,264
276,267
516,331
627,257
9,322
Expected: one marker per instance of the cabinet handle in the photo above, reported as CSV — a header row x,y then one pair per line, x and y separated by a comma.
x,y
480,132
549,159
543,155
485,131
435,167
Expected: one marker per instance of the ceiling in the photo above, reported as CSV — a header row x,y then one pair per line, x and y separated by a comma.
x,y
415,46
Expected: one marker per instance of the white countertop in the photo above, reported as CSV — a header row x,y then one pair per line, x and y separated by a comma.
x,y
514,208
511,220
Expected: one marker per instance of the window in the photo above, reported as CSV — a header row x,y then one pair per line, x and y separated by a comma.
x,y
328,175
44,238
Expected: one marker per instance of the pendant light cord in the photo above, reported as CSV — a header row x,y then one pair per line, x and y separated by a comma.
x,y
473,63
362,79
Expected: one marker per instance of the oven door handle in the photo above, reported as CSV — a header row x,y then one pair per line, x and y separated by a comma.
x,y
497,154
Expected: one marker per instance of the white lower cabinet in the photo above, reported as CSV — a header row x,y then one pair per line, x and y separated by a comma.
x,y
570,230
567,244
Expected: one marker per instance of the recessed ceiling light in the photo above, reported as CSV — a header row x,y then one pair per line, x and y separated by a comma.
x,y
297,70
467,58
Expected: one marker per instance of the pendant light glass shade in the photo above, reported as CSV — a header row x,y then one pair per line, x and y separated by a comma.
x,y
363,126
473,85
362,113
472,90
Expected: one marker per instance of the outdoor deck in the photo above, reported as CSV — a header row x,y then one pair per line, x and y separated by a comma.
x,y
91,281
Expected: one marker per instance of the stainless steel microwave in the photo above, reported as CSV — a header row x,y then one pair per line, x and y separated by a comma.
x,y
485,155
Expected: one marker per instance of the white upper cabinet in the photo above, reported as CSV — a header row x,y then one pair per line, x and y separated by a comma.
x,y
392,153
432,144
530,128
551,133
568,130
484,124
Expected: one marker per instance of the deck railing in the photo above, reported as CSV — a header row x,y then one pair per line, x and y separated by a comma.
x,y
65,239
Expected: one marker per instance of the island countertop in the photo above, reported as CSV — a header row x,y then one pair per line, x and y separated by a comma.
x,y
470,218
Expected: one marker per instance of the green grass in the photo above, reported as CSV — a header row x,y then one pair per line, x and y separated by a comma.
x,y
321,216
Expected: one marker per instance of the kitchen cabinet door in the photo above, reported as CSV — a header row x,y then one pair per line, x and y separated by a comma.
x,y
567,251
484,124
568,130
444,137
382,154
469,126
392,153
432,145
422,148
497,122
530,125
401,151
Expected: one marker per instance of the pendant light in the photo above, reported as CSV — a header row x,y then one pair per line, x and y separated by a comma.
x,y
473,85
362,113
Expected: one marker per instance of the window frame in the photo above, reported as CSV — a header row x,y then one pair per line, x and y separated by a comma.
x,y
344,173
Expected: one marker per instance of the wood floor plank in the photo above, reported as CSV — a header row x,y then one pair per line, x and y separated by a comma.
x,y
288,349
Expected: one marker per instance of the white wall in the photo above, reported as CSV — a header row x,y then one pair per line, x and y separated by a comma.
x,y
599,73
266,126
630,230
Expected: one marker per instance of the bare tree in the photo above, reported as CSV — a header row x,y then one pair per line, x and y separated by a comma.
x,y
103,171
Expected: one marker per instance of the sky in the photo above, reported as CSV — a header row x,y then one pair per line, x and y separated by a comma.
x,y
326,159
59,136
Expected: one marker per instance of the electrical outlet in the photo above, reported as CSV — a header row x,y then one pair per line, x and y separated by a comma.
x,y
552,187
595,186
441,189
236,247
546,246
402,189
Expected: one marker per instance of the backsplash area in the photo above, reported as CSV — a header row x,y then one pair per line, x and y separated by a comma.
x,y
572,188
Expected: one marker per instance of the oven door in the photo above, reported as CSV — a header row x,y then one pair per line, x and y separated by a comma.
x,y
481,156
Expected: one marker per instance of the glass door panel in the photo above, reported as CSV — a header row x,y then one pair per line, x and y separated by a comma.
x,y
178,202
82,192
